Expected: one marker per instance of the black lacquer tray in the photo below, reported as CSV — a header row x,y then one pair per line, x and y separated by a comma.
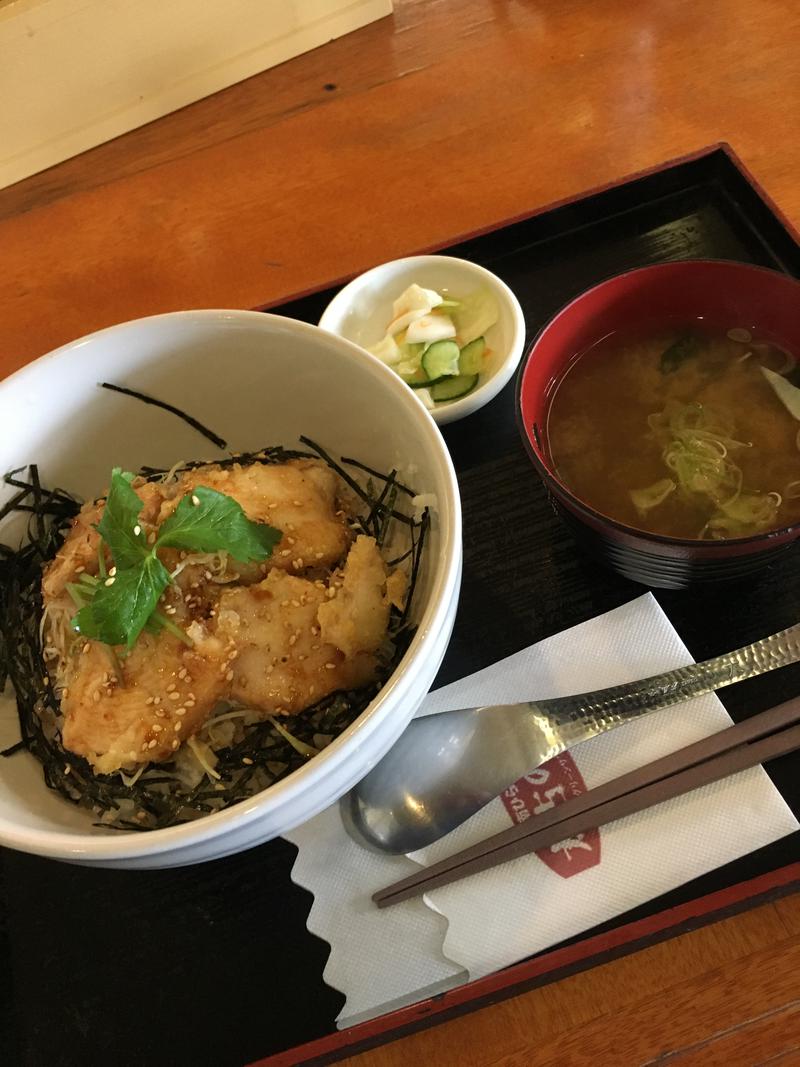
x,y
213,965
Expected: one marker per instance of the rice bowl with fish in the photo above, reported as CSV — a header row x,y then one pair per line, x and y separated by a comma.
x,y
297,725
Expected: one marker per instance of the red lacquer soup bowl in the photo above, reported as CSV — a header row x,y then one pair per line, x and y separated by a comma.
x,y
722,294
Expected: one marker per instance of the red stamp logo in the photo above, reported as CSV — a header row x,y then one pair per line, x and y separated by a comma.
x,y
553,783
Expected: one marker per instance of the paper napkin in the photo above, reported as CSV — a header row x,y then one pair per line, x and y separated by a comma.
x,y
383,959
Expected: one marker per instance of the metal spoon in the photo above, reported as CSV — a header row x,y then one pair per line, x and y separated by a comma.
x,y
446,767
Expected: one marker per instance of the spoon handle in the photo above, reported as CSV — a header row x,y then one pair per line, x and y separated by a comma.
x,y
586,715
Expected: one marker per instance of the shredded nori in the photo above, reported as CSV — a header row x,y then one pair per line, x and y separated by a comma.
x,y
214,438
262,756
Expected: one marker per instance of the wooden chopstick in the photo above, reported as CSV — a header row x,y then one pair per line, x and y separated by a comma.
x,y
747,744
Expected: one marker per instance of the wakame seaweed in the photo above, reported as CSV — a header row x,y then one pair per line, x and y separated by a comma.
x,y
262,756
684,348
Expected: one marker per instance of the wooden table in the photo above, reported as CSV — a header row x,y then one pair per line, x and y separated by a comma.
x,y
438,122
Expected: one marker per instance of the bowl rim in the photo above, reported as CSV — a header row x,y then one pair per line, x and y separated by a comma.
x,y
83,846
575,502
449,410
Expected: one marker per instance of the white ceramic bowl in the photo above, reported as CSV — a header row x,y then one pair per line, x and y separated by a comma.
x,y
361,311
257,380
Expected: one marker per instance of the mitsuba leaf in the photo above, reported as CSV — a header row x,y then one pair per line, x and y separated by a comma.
x,y
216,523
119,612
120,520
205,521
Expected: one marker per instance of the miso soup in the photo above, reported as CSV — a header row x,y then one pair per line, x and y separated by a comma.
x,y
682,432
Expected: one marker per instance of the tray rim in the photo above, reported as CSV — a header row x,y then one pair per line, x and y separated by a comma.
x,y
551,965
694,156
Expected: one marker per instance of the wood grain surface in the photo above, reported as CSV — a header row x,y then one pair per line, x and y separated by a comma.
x,y
726,995
439,121
442,119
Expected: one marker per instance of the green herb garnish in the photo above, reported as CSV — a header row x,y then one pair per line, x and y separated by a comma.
x,y
204,521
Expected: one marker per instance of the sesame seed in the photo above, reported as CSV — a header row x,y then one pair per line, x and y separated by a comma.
x,y
175,744
290,540
156,700
286,551
315,630
156,727
180,712
295,603
170,687
96,697
113,572
79,570
182,672
319,555
149,700
330,666
271,506
67,768
192,697
314,648
177,727
137,530
151,537
170,609
174,696
160,713
247,760
45,681
297,503
152,744
331,593
293,639
108,581
195,500
299,562
284,603
208,576
229,676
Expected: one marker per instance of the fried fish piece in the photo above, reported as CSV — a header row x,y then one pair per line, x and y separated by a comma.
x,y
283,665
298,498
355,620
142,708
275,642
